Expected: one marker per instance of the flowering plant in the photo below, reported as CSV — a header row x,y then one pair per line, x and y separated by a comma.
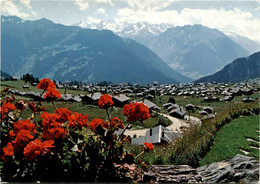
x,y
65,145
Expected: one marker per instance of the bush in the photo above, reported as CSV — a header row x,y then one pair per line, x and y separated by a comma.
x,y
196,142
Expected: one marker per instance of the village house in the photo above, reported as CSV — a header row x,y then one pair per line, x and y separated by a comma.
x,y
120,100
157,135
91,98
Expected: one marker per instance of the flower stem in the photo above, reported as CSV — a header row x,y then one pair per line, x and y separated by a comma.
x,y
123,131
108,115
54,104
139,154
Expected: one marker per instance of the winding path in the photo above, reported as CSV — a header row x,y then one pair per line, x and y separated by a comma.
x,y
176,125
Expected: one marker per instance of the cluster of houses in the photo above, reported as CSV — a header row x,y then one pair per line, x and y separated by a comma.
x,y
124,93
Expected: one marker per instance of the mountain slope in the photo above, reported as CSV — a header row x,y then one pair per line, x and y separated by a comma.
x,y
196,50
245,42
240,69
60,52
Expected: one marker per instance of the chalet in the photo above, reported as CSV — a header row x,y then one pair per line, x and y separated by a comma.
x,y
177,113
208,109
149,104
203,113
246,100
208,116
14,78
167,105
25,86
91,98
228,98
172,107
120,100
157,135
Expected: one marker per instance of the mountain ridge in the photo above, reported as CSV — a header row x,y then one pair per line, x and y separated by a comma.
x,y
46,49
241,69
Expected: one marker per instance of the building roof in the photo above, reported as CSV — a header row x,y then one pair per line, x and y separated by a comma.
x,y
148,103
156,136
121,97
95,96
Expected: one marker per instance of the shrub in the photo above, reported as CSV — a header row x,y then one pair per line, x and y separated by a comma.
x,y
196,142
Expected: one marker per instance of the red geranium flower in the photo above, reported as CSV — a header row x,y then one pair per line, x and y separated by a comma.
x,y
23,136
6,107
36,148
54,133
136,112
64,113
78,120
148,146
46,83
8,150
52,94
24,124
50,120
96,125
105,101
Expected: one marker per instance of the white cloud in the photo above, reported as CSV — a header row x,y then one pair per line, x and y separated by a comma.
x,y
101,10
26,3
148,4
93,20
9,7
82,4
235,20
105,2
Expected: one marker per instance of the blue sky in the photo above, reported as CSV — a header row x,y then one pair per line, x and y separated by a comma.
x,y
241,17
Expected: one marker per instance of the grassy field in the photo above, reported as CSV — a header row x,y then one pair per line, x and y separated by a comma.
x,y
232,137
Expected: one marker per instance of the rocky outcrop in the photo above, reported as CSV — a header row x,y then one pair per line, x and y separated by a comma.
x,y
237,169
171,174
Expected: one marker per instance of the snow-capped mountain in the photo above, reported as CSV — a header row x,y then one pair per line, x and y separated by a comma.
x,y
68,53
245,42
141,32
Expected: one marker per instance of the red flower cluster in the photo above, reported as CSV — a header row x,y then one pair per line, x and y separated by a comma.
x,y
45,84
8,150
20,105
21,135
136,112
52,126
148,146
63,113
36,148
6,108
97,124
24,124
78,120
52,94
105,101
